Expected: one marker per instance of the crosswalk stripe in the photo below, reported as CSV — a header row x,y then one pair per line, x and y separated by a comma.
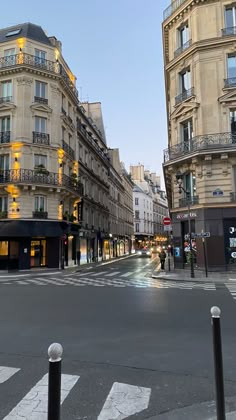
x,y
112,274
124,400
127,274
21,282
34,405
6,373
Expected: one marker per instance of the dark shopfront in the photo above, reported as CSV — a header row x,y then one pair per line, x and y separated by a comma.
x,y
26,244
220,246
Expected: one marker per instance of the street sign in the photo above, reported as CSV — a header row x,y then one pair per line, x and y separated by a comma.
x,y
167,228
201,235
166,221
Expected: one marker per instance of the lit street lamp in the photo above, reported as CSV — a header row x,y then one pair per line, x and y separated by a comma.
x,y
179,179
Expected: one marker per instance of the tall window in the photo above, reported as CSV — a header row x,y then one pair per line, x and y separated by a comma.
x,y
230,16
6,89
190,183
233,121
136,201
136,214
40,57
136,227
231,66
4,124
183,35
40,124
185,81
4,162
3,203
9,57
40,160
40,203
40,89
186,133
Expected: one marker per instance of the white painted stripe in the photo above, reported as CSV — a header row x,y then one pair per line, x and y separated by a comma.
x,y
112,274
124,400
38,282
21,282
6,373
98,273
34,405
127,274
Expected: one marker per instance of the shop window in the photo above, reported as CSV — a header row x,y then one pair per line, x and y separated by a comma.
x,y
3,248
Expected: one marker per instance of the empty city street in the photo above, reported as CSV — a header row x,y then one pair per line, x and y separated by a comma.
x,y
150,340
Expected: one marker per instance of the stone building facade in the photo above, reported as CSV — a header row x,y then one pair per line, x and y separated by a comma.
x,y
54,166
200,76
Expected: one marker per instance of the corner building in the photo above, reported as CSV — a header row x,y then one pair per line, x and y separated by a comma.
x,y
200,76
40,189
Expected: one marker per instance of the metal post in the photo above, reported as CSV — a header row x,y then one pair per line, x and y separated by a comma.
x,y
205,259
217,348
54,381
190,239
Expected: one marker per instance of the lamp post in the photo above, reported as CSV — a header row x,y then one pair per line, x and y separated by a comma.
x,y
179,179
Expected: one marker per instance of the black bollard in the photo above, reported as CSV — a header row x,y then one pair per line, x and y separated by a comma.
x,y
54,381
217,348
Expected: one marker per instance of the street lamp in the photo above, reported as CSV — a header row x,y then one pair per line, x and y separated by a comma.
x,y
179,181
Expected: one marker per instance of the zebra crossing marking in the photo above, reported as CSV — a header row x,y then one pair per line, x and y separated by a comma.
x,y
6,373
127,274
112,274
124,400
34,404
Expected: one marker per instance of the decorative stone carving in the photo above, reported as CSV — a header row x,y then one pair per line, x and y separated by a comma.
x,y
24,80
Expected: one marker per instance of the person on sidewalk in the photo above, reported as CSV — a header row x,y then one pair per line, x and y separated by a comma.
x,y
162,256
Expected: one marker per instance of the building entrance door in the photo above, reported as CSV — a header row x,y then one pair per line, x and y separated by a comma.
x,y
38,253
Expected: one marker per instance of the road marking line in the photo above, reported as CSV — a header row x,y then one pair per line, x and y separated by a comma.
x,y
6,373
127,274
124,400
112,274
21,282
34,404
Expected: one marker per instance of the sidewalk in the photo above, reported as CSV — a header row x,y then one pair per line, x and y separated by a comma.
x,y
184,274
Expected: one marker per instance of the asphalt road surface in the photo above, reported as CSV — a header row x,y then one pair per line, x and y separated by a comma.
x,y
134,347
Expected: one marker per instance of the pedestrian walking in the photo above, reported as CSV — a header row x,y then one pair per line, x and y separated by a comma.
x,y
162,257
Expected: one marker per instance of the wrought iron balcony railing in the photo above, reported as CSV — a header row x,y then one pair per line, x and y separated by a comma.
x,y
231,82
40,214
199,143
172,8
182,48
41,138
40,100
228,31
30,176
5,136
68,149
5,99
23,59
186,94
188,200
92,141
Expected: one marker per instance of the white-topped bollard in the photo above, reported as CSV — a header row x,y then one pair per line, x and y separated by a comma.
x,y
55,352
218,362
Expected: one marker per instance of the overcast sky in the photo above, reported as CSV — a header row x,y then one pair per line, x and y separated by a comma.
x,y
114,47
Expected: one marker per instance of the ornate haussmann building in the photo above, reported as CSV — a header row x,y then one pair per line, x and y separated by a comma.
x,y
199,39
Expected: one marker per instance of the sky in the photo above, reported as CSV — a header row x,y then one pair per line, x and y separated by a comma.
x,y
114,48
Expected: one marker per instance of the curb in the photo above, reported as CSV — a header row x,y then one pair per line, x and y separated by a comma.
x,y
194,280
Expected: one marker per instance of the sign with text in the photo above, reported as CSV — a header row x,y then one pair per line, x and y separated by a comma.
x,y
167,228
201,235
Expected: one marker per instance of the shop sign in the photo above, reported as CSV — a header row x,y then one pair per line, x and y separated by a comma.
x,y
217,192
233,254
183,216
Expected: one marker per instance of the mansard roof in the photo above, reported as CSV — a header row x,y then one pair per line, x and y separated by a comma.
x,y
24,30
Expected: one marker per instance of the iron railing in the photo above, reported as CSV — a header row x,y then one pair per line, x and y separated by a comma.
x,y
4,99
24,59
231,82
68,149
172,8
228,31
182,48
40,214
40,100
92,141
184,95
5,136
188,200
41,138
198,143
31,176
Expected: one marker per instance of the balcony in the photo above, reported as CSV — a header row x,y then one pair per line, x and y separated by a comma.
x,y
33,177
186,94
63,111
172,8
70,119
41,138
208,142
68,149
40,214
182,48
92,141
188,201
5,99
41,100
28,60
231,82
228,31
5,136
